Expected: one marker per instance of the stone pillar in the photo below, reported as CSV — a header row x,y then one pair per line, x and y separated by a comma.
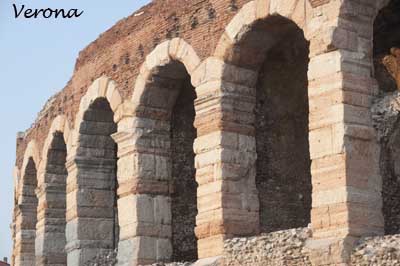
x,y
91,185
225,155
345,156
25,222
50,235
144,203
90,219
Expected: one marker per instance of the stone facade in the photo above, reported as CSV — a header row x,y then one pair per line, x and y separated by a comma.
x,y
192,124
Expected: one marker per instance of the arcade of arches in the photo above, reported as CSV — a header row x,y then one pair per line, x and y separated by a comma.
x,y
270,131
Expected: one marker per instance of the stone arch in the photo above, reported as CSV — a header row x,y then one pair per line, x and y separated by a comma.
x,y
102,87
171,50
33,152
162,134
265,63
227,48
52,179
59,124
26,213
92,214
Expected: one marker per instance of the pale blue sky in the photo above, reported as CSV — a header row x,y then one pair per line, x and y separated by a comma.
x,y
37,57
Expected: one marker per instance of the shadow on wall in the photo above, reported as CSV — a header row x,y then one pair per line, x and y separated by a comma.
x,y
386,37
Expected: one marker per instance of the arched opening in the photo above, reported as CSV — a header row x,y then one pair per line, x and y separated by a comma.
x,y
277,50
50,237
387,37
387,61
168,100
184,194
28,203
96,226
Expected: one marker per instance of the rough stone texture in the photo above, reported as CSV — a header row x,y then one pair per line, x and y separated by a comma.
x,y
385,113
289,247
183,197
274,249
376,251
173,264
386,119
283,176
105,258
386,110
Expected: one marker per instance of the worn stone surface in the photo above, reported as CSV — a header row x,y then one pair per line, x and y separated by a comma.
x,y
277,248
183,197
373,251
386,121
385,113
106,258
282,136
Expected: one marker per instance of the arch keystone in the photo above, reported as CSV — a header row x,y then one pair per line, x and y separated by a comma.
x,y
245,17
31,151
262,8
283,8
103,86
175,49
159,56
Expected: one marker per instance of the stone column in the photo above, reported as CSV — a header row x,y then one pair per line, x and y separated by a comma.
x,y
91,224
90,220
225,155
50,235
25,222
345,156
144,203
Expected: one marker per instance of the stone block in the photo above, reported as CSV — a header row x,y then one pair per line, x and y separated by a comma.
x,y
90,229
211,246
162,210
164,249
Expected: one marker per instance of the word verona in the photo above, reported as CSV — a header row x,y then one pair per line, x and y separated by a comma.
x,y
45,13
